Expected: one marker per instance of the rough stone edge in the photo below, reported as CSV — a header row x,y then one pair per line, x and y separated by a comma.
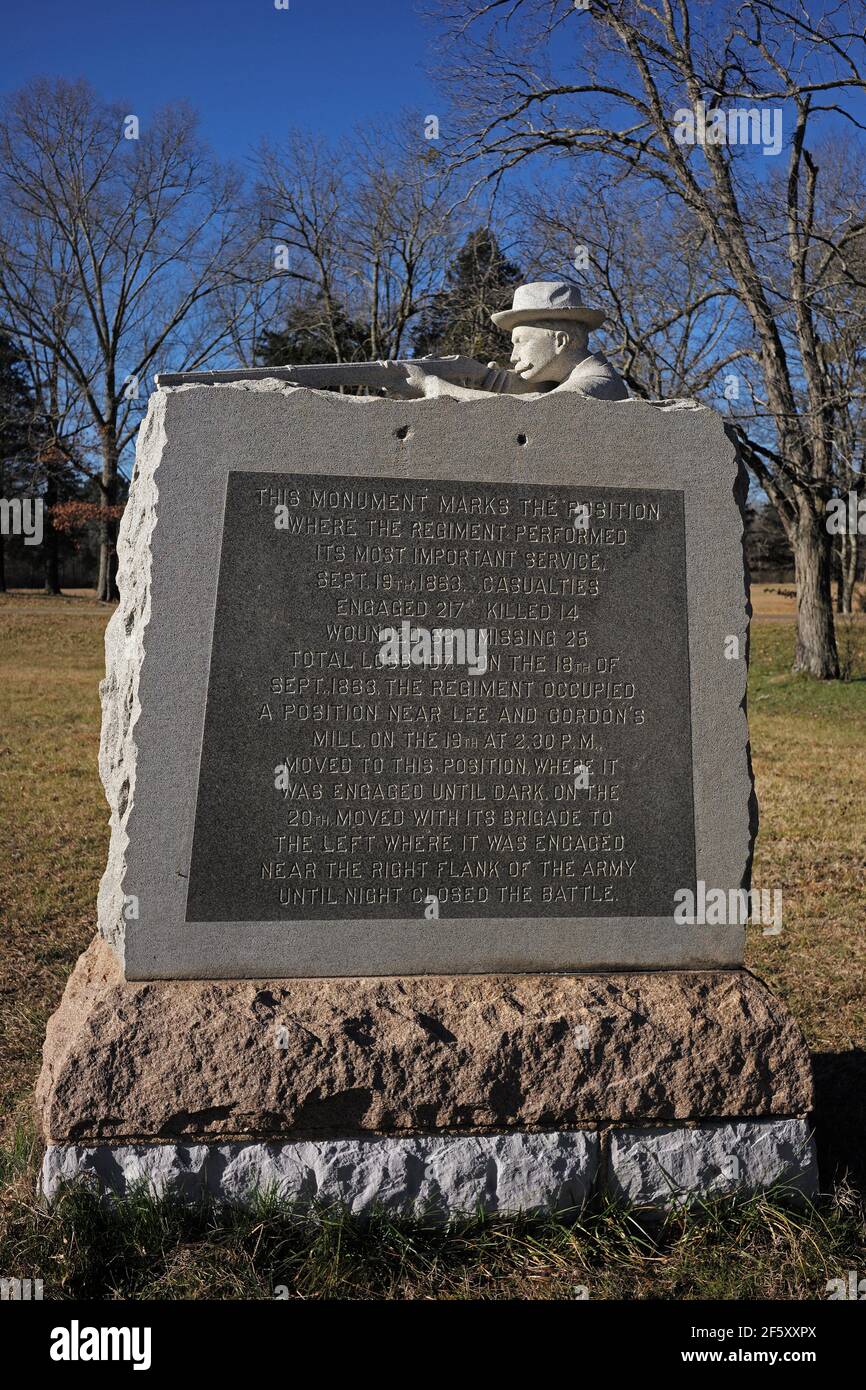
x,y
124,655
662,1165
431,1175
97,989
741,495
282,387
439,1176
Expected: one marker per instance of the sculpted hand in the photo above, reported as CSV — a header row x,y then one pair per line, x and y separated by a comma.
x,y
419,381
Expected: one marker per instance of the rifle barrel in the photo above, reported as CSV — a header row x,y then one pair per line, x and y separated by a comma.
x,y
325,374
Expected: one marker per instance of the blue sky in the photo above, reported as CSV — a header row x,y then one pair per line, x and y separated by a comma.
x,y
249,69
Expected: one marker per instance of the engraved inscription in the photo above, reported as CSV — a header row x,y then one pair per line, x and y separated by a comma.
x,y
445,699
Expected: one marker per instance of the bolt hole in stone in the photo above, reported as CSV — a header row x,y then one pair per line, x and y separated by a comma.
x,y
521,439
402,432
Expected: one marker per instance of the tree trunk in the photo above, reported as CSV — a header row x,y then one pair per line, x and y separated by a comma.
x,y
815,653
847,571
52,567
50,540
106,587
840,560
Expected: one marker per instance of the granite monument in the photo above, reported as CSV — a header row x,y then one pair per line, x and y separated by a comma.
x,y
424,714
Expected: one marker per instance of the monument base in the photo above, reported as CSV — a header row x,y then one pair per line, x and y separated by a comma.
x,y
436,1177
441,1094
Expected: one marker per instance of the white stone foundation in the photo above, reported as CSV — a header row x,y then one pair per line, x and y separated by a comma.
x,y
442,1176
657,1167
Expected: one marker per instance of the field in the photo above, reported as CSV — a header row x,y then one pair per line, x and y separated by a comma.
x,y
809,748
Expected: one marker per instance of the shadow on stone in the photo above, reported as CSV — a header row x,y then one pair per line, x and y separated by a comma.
x,y
325,1114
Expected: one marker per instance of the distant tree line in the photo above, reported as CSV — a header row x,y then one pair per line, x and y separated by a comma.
x,y
126,250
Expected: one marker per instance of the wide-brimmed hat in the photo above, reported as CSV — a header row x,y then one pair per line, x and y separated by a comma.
x,y
546,299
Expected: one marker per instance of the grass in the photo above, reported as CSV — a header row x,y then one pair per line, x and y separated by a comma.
x,y
809,749
809,754
53,815
757,1247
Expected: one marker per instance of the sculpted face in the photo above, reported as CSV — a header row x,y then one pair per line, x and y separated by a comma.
x,y
546,352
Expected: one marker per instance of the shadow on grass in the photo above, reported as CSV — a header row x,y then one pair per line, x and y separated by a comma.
x,y
840,1116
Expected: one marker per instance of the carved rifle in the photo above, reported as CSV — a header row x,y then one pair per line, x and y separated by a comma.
x,y
391,378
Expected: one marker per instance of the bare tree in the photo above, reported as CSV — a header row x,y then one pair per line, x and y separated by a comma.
x,y
678,328
843,359
615,86
403,228
674,329
17,411
360,234
303,198
113,243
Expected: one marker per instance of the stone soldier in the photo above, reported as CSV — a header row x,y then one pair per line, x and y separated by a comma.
x,y
549,330
550,353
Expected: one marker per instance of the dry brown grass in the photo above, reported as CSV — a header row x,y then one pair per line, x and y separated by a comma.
x,y
809,743
53,816
809,752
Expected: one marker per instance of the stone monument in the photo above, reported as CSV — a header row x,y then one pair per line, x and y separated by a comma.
x,y
432,816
